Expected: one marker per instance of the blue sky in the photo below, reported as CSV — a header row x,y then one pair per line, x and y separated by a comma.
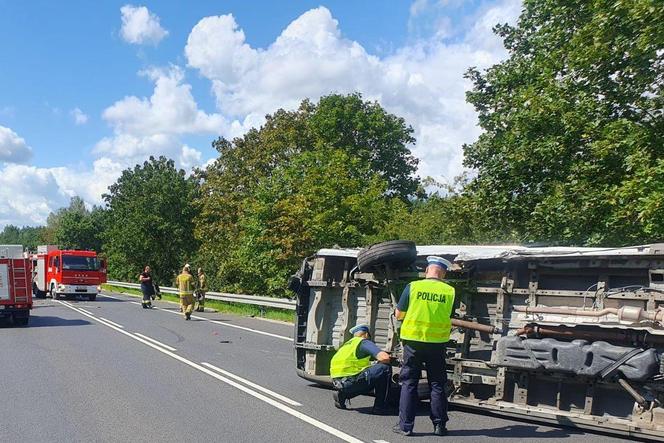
x,y
84,94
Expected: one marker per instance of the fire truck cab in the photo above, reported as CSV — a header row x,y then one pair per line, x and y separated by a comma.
x,y
67,273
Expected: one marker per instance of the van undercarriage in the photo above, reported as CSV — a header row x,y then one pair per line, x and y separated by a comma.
x,y
573,336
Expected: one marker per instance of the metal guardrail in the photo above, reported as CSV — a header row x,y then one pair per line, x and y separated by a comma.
x,y
271,302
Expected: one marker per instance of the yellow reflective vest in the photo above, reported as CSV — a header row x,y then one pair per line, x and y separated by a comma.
x,y
185,284
428,318
345,362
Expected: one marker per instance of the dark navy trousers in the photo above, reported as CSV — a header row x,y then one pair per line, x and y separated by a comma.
x,y
376,377
416,356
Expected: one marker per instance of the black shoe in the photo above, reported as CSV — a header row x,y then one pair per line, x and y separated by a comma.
x,y
187,315
339,399
381,410
397,430
145,306
439,429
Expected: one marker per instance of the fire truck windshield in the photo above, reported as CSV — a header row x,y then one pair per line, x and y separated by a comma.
x,y
78,263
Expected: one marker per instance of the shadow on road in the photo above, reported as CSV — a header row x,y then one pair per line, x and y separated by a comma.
x,y
514,431
48,321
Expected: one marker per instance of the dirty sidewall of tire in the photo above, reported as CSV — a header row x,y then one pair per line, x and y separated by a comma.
x,y
396,253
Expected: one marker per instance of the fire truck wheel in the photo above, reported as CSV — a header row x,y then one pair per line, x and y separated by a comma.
x,y
21,321
54,293
92,297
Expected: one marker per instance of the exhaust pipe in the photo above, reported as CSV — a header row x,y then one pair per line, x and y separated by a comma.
x,y
465,324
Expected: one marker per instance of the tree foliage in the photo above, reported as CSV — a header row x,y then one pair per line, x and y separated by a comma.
x,y
150,220
28,236
572,146
318,176
76,227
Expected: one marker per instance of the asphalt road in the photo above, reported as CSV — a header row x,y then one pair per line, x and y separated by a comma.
x,y
111,371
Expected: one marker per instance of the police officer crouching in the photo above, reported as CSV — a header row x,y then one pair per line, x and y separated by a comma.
x,y
353,374
425,307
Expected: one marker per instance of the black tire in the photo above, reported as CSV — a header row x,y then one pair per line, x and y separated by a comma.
x,y
92,297
21,321
396,253
54,293
37,293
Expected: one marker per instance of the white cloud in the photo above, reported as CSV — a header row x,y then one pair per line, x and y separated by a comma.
x,y
422,81
140,26
154,125
80,118
189,157
13,149
28,194
170,110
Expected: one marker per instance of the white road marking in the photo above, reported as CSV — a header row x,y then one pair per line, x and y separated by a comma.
x,y
381,441
295,413
256,331
253,385
86,311
108,296
170,348
111,322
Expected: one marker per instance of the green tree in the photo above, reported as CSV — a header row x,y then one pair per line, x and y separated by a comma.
x,y
28,236
150,220
573,126
76,227
320,198
266,177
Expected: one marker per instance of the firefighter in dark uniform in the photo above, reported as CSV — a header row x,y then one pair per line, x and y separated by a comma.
x,y
425,307
147,287
353,374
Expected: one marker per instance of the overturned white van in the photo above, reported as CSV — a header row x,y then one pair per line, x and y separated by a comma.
x,y
574,336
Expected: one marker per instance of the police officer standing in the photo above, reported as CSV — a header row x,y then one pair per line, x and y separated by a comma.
x,y
425,307
186,285
353,374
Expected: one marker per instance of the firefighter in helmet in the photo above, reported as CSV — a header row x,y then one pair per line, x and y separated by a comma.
x,y
186,285
200,292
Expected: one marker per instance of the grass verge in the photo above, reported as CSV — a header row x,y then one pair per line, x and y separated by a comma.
x,y
221,306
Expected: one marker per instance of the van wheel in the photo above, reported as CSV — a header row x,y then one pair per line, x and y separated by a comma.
x,y
396,253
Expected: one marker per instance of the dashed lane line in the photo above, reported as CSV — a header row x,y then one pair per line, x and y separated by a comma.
x,y
255,331
111,322
110,296
170,348
287,409
253,385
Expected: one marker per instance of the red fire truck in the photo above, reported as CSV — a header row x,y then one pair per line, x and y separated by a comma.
x,y
15,295
67,273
